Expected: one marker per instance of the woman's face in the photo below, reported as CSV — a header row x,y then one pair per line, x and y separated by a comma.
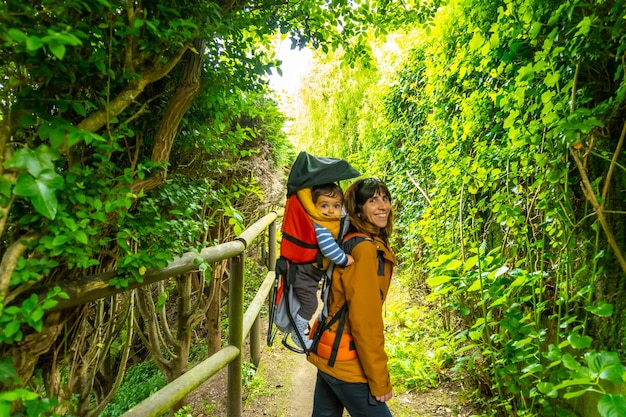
x,y
376,210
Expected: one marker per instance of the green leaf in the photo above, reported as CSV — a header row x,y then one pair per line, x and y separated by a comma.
x,y
11,328
57,48
454,264
476,285
602,309
584,26
612,405
606,364
81,237
25,186
437,280
570,362
57,137
59,240
17,35
477,41
36,315
580,342
18,394
33,43
531,369
501,271
5,187
35,162
41,192
471,262
548,389
535,28
574,394
545,387
519,281
553,353
79,109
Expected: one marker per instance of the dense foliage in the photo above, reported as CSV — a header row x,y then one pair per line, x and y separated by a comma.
x,y
131,132
503,141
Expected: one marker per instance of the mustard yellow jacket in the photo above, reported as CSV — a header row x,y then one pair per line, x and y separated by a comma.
x,y
365,291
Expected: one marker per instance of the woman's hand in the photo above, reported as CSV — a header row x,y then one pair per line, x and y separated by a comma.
x,y
384,398
350,260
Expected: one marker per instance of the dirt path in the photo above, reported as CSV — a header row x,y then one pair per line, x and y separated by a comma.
x,y
281,387
287,381
284,383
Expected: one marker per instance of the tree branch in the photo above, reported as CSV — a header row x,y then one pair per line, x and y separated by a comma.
x,y
415,183
151,336
591,197
586,184
187,91
9,262
609,174
98,119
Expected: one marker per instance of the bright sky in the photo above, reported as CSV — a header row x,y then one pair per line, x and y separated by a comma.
x,y
295,66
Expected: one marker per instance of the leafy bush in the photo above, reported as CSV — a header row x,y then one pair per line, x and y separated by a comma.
x,y
140,381
419,352
502,139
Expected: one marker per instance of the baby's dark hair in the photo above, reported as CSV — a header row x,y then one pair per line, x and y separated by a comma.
x,y
330,190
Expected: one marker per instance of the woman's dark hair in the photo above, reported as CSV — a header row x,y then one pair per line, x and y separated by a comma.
x,y
355,198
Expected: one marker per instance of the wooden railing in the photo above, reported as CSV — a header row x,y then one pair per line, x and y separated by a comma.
x,y
240,325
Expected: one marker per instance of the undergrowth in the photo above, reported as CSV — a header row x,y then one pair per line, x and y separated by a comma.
x,y
140,381
419,351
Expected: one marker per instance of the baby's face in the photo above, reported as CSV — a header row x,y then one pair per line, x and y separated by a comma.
x,y
329,206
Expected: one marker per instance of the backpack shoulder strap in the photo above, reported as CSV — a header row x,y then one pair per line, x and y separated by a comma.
x,y
353,239
348,244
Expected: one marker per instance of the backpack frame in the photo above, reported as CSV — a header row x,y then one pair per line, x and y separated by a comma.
x,y
284,304
307,171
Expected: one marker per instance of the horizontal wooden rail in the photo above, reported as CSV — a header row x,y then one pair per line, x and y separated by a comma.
x,y
257,303
162,400
95,287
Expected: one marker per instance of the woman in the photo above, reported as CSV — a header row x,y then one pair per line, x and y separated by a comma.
x,y
357,377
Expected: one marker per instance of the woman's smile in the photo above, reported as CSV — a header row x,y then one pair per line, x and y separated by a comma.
x,y
376,210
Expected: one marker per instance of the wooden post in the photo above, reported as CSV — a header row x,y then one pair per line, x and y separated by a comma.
x,y
255,331
235,334
271,246
255,341
271,257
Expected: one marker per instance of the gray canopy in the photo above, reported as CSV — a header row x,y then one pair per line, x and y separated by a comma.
x,y
309,170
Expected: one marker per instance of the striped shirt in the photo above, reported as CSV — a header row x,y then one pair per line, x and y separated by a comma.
x,y
329,246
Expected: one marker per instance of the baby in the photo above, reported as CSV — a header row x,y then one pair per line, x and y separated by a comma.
x,y
328,203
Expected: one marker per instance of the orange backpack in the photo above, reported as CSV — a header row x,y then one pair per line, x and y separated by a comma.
x,y
299,244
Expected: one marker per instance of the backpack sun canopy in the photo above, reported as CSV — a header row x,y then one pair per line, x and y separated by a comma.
x,y
309,170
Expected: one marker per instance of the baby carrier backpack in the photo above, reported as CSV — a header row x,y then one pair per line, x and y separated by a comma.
x,y
298,243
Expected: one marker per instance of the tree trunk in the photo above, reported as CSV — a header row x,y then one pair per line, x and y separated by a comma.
x,y
213,316
183,331
180,102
